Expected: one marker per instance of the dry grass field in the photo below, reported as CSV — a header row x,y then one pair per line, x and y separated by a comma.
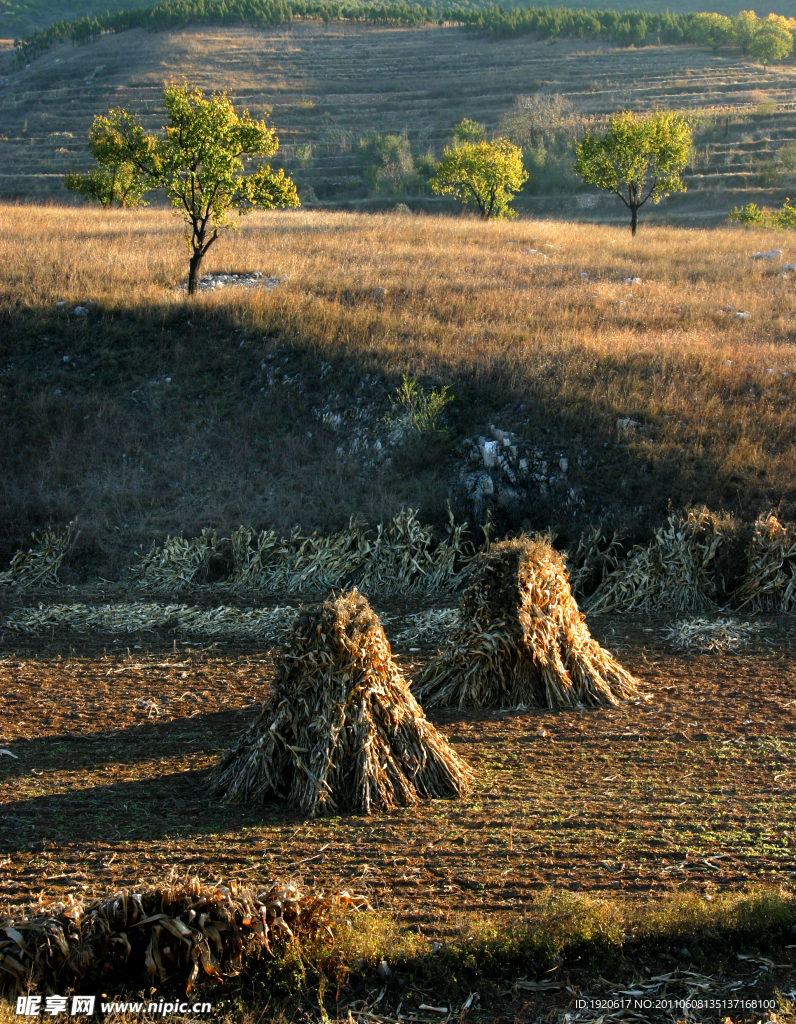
x,y
331,88
151,415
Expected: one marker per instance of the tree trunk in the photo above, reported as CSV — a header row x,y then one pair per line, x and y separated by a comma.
x,y
633,219
193,270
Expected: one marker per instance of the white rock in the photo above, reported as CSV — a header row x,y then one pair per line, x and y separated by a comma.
x,y
523,464
80,311
583,274
534,252
625,423
743,316
489,453
563,465
772,254
61,303
787,268
632,280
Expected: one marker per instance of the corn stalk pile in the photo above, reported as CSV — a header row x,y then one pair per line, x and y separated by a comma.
x,y
673,573
709,636
402,558
296,563
178,564
340,728
168,932
595,558
769,584
39,565
522,640
267,625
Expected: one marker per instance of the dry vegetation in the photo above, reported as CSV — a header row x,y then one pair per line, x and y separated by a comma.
x,y
150,415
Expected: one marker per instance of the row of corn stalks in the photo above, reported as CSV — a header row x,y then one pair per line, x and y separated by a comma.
x,y
400,558
674,572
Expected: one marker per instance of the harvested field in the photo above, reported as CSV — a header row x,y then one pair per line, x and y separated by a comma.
x,y
691,791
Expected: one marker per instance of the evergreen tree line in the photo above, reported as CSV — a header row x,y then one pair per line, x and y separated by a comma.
x,y
766,39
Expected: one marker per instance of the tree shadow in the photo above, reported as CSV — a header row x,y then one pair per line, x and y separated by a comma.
x,y
145,742
170,806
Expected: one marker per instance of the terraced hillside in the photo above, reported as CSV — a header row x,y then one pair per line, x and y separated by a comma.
x,y
331,88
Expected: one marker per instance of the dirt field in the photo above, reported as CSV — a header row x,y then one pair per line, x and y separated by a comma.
x,y
690,790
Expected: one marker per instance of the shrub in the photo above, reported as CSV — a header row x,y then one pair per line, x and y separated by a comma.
x,y
420,409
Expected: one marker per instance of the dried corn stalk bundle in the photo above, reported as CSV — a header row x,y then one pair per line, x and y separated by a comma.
x,y
673,573
178,564
769,584
402,558
322,562
39,565
340,728
522,640
267,625
167,932
595,558
710,636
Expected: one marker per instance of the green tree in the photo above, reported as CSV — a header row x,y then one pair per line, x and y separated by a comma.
x,y
639,157
713,30
486,173
198,159
468,131
113,183
746,25
397,163
772,41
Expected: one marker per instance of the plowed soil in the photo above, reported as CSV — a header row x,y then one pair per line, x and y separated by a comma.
x,y
691,788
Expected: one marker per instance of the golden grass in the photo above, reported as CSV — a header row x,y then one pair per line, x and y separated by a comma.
x,y
465,304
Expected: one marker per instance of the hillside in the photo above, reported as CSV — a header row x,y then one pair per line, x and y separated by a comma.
x,y
332,90
148,415
20,18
